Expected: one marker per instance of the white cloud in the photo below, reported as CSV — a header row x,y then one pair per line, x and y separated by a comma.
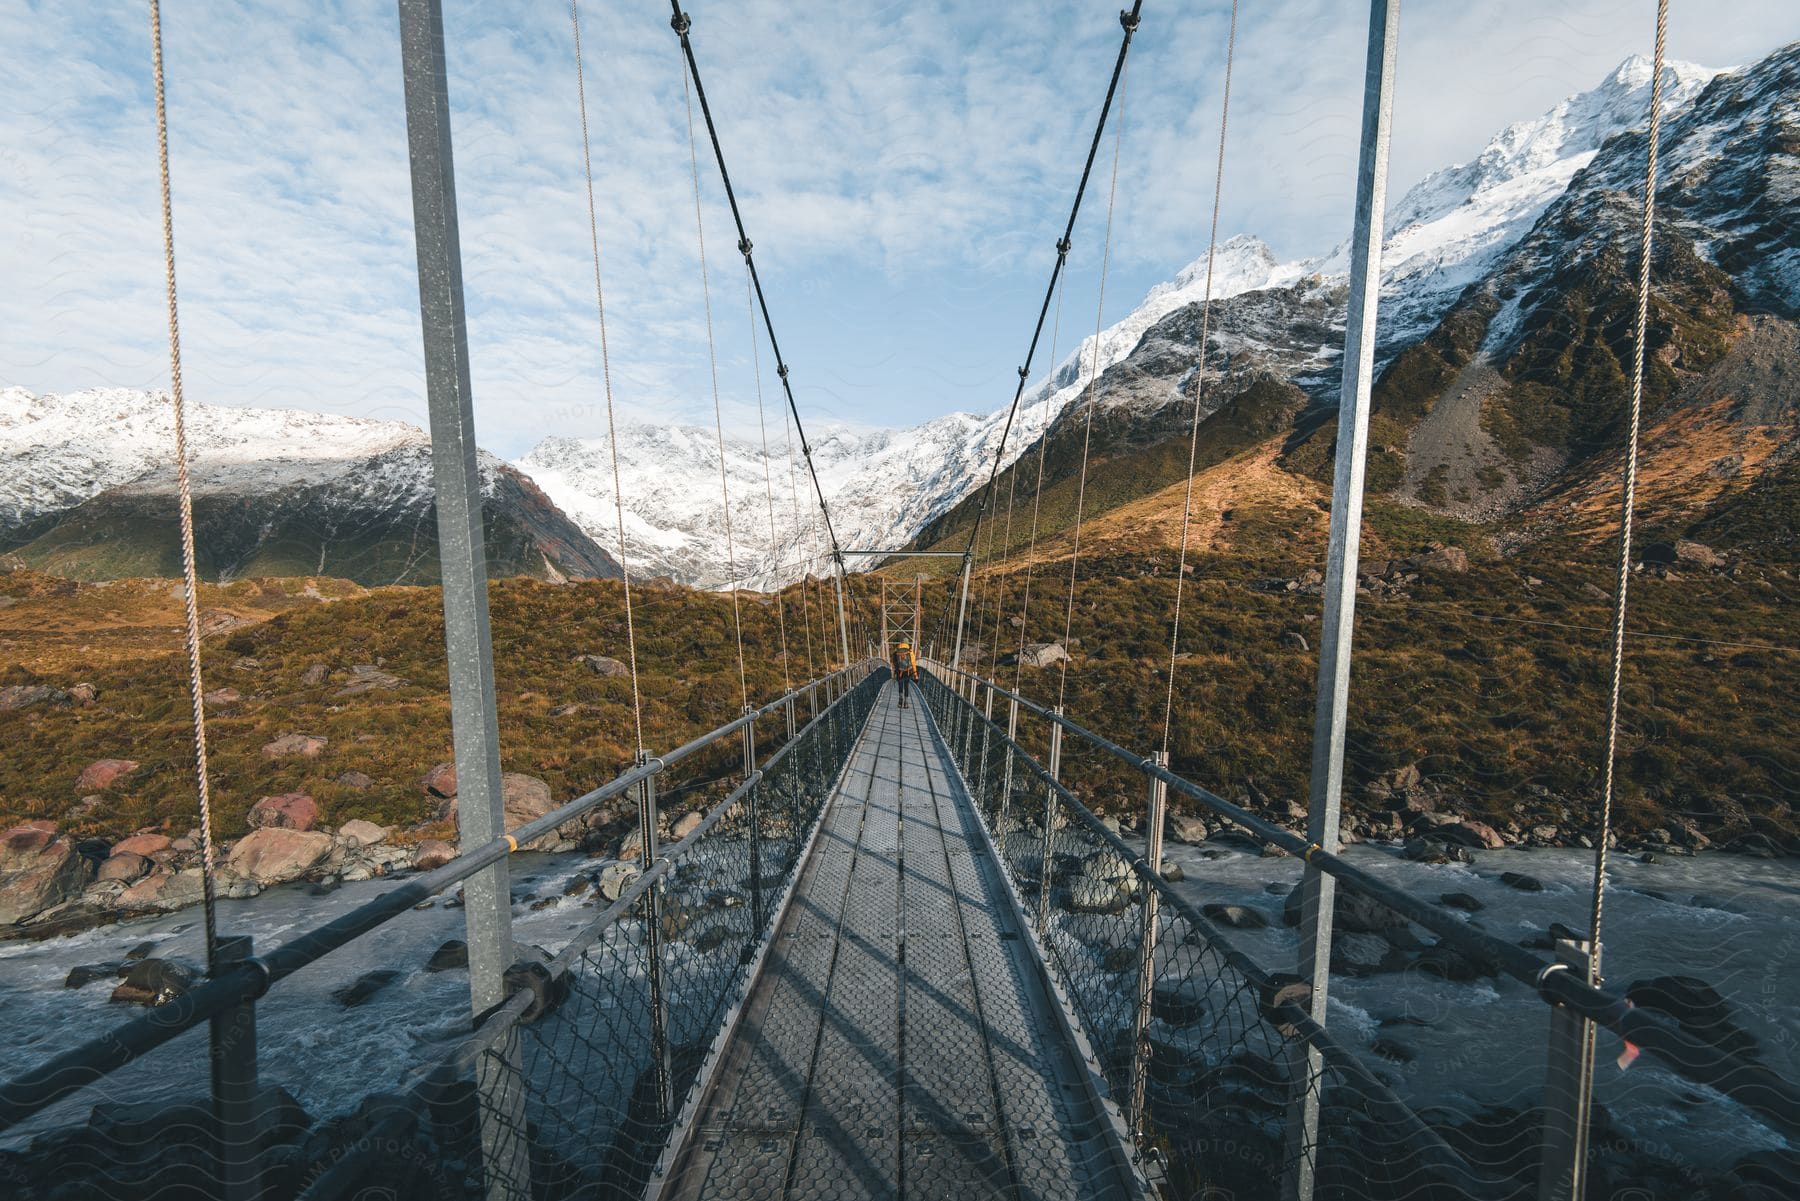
x,y
904,170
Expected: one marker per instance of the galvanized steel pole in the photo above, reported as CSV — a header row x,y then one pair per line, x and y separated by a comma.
x,y
1046,873
962,614
1156,810
1317,894
840,582
660,1062
237,1116
462,556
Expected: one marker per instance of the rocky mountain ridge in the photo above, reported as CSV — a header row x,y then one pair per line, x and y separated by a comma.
x,y
89,492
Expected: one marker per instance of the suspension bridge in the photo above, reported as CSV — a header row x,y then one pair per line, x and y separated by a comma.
x,y
901,958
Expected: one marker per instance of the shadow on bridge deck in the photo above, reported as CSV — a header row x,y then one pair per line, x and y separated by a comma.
x,y
900,1041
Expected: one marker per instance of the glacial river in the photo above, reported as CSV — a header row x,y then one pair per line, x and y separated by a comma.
x,y
1471,1045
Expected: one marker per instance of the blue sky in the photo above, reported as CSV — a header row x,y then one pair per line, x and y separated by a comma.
x,y
904,169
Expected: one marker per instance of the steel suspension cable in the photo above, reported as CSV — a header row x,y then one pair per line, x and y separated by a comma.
x,y
712,355
1129,22
787,680
803,532
190,576
1628,498
999,591
1037,497
1091,400
612,427
683,25
1187,504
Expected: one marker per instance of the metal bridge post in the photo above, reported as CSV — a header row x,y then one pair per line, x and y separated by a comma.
x,y
1568,1099
788,708
987,711
751,798
1047,874
1317,896
962,613
653,965
237,1116
1012,738
838,581
463,559
1140,1034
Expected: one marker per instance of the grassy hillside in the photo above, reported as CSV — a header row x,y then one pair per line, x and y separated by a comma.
x,y
558,719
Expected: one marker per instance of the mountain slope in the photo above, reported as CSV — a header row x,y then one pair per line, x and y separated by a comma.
x,y
89,492
1277,328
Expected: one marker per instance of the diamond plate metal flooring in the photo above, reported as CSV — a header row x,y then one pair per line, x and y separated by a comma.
x,y
899,1042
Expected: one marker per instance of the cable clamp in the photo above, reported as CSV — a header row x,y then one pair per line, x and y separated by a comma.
x,y
744,248
264,978
781,370
1307,854
680,23
1543,976
1023,373
1129,20
512,844
1063,246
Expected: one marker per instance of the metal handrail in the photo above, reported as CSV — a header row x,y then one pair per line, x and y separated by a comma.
x,y
434,1075
1438,1155
1754,1085
43,1085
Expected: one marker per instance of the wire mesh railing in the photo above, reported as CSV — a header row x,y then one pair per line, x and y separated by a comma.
x,y
579,1081
1090,892
567,1088
1202,1051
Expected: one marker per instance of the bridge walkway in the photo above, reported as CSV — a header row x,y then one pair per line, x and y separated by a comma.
x,y
900,1041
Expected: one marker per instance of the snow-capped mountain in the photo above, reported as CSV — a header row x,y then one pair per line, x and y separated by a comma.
x,y
1451,228
1445,233
89,483
356,493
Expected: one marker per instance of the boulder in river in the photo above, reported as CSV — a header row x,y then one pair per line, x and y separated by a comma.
x,y
432,853
85,974
1238,917
359,833
142,844
39,868
1700,1010
154,982
1088,895
452,954
1352,911
122,865
615,878
1186,828
364,987
1471,833
273,854
1521,881
1462,901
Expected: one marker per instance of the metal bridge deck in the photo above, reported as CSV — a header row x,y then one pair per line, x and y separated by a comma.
x,y
899,1042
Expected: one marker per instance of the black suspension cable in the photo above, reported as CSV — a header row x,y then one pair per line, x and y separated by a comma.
x,y
682,24
1129,21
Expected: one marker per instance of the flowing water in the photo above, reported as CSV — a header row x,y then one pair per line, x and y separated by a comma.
x,y
1471,1045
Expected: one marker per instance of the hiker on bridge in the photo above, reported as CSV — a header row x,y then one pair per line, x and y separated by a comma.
x,y
905,667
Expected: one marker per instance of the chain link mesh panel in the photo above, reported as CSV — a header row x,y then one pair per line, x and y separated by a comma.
x,y
1207,1073
581,1100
